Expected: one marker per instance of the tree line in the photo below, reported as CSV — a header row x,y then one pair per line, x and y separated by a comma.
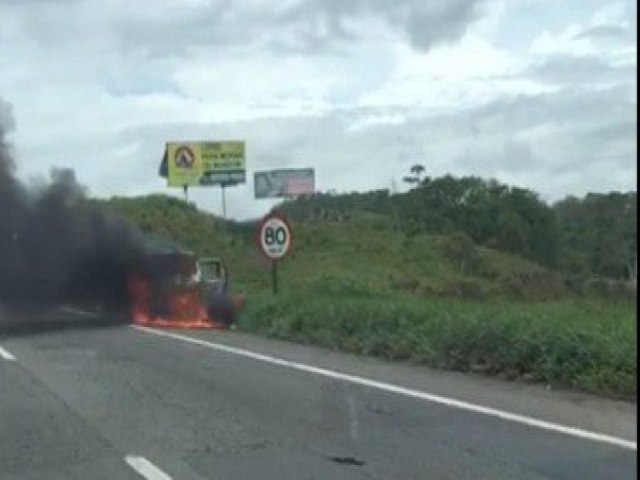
x,y
592,235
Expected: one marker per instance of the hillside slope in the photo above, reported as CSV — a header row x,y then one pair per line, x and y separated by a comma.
x,y
359,255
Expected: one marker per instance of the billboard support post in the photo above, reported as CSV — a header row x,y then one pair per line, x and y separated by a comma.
x,y
224,203
224,186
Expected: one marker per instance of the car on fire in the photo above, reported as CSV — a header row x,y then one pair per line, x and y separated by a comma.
x,y
174,288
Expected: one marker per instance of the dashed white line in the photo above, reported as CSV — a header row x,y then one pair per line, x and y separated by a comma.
x,y
6,354
145,468
429,397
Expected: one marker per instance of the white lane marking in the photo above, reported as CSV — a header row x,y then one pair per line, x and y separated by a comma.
x,y
6,354
387,387
145,468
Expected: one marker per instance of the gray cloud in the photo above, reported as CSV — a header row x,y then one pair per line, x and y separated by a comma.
x,y
213,25
430,23
424,23
570,107
567,135
585,70
144,28
161,30
604,31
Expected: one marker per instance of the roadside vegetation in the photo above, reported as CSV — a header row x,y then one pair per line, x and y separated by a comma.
x,y
587,346
422,278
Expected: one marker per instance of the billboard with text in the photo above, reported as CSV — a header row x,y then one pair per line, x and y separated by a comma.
x,y
204,163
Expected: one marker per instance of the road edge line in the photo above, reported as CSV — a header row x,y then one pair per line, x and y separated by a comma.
x,y
388,387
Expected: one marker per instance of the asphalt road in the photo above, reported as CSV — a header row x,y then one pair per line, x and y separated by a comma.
x,y
119,402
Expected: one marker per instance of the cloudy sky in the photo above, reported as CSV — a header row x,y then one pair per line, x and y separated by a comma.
x,y
539,93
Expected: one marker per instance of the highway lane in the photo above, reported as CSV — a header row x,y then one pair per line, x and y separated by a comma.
x,y
42,437
77,403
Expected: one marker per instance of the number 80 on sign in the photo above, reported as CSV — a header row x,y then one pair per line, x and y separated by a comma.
x,y
274,236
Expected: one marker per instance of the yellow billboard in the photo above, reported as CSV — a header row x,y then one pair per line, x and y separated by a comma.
x,y
205,163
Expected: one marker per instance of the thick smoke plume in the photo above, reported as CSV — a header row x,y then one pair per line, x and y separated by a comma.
x,y
57,247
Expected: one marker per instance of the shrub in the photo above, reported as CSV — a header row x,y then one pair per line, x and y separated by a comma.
x,y
463,288
460,249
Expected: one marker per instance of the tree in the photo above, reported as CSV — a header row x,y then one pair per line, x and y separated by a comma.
x,y
410,179
417,171
512,235
602,229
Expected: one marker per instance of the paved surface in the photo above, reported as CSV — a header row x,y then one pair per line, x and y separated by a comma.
x,y
83,402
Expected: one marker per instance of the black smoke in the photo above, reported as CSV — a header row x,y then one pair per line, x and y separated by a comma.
x,y
59,247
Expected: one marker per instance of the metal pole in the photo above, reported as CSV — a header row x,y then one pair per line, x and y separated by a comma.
x,y
224,203
185,188
274,276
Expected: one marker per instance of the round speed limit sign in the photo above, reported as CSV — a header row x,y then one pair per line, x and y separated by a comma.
x,y
274,236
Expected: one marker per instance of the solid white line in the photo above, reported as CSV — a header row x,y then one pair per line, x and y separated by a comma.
x,y
387,387
145,468
6,354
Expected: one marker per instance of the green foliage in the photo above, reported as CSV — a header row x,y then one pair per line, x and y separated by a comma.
x,y
173,219
465,288
595,235
599,234
462,251
327,284
514,219
588,346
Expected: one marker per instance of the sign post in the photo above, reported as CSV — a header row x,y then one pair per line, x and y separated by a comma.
x,y
275,240
274,276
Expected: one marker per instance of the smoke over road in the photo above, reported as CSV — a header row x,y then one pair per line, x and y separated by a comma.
x,y
58,247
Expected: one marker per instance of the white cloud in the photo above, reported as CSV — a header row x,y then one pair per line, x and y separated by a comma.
x,y
525,91
572,40
455,77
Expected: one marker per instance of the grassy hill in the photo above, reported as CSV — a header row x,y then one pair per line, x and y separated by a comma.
x,y
362,255
360,285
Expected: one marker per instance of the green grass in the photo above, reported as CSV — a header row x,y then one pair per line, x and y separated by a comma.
x,y
380,261
587,346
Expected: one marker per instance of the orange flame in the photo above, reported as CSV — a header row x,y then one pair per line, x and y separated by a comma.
x,y
185,310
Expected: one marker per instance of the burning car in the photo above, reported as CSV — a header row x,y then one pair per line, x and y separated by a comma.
x,y
176,289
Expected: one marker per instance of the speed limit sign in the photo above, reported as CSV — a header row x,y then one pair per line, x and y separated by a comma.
x,y
274,236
